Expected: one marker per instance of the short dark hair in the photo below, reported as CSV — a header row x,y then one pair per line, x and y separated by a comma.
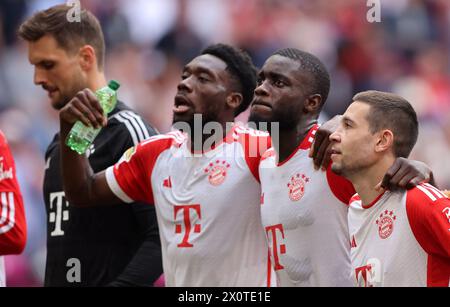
x,y
241,68
70,36
393,112
320,78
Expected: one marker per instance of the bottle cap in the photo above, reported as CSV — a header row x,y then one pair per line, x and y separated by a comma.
x,y
114,85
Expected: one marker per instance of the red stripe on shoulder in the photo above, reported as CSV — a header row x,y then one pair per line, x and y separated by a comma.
x,y
428,211
254,143
309,139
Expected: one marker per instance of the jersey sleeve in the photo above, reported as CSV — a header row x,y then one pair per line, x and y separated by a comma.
x,y
428,212
13,231
130,178
342,188
255,144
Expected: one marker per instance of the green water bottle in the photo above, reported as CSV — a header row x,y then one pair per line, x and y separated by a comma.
x,y
81,136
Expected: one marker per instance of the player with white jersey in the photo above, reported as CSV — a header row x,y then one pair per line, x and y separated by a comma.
x,y
207,207
304,213
398,238
304,210
402,238
207,204
13,228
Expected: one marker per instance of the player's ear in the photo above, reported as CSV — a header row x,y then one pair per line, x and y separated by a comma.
x,y
313,103
234,100
87,57
385,141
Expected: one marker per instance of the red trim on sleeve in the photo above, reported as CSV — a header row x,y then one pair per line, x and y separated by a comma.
x,y
133,174
429,217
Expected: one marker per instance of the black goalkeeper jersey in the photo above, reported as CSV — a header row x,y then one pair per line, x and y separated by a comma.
x,y
108,246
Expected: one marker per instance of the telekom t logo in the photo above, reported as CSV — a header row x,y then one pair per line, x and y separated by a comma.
x,y
282,247
187,223
58,212
369,275
363,273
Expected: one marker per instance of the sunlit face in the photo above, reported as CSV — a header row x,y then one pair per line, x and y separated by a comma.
x,y
353,143
280,94
204,89
58,72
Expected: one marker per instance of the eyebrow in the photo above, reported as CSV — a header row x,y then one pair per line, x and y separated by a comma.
x,y
44,63
199,70
273,75
40,61
348,119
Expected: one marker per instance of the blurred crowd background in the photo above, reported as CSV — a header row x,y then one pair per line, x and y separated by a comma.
x,y
149,41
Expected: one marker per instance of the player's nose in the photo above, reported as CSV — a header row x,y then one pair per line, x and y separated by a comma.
x,y
185,85
335,136
39,77
261,89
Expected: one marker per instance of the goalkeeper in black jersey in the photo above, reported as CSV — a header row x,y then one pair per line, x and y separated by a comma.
x,y
112,246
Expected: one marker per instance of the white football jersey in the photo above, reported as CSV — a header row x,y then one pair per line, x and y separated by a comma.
x,y
401,239
208,206
304,213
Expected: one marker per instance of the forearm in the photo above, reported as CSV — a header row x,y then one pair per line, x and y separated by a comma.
x,y
76,172
83,188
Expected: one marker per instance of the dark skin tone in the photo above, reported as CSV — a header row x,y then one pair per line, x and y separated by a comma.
x,y
283,96
280,84
205,81
206,88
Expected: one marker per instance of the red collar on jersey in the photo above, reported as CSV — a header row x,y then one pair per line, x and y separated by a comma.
x,y
304,145
373,202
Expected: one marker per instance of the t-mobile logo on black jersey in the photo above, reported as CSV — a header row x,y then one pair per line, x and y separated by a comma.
x,y
58,212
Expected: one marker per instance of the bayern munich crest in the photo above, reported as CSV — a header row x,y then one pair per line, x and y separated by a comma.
x,y
297,187
217,172
386,224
